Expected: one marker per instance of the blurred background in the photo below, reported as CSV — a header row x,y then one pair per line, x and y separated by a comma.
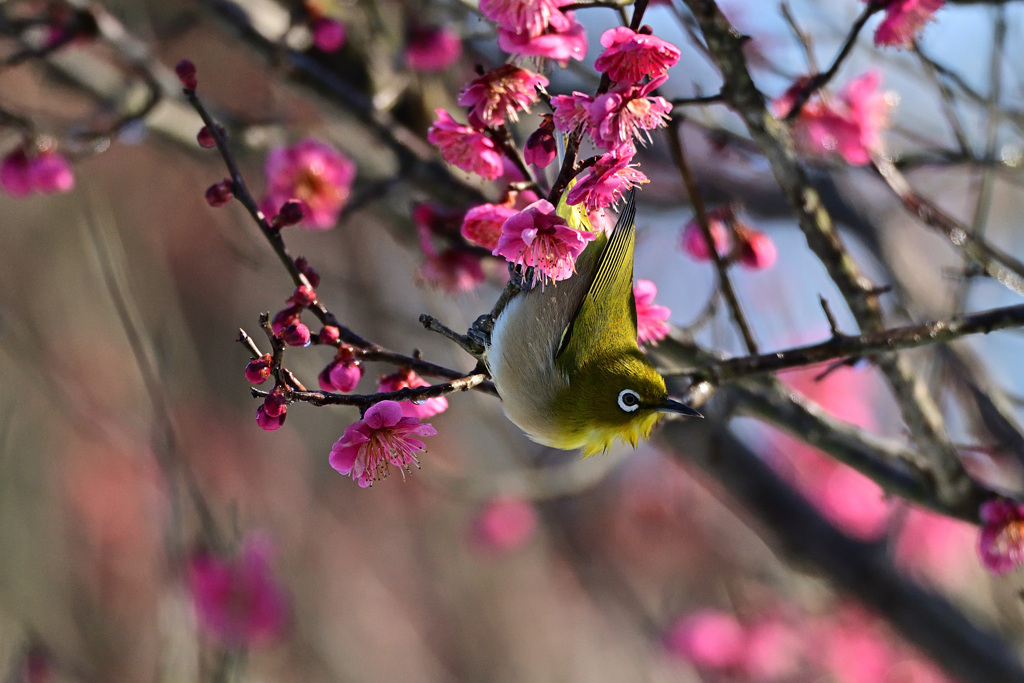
x,y
128,426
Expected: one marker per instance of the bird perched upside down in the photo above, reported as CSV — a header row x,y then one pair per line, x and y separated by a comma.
x,y
565,359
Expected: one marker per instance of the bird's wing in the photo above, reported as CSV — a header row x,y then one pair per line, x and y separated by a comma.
x,y
607,313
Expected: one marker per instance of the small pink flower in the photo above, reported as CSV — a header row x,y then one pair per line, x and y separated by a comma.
x,y
571,111
271,415
328,34
258,369
850,126
529,17
757,250
482,224
504,524
343,373
382,438
237,600
16,174
1001,543
432,48
51,172
537,237
904,19
622,114
313,173
603,184
540,148
693,242
652,319
464,147
629,56
563,39
499,93
710,639
405,379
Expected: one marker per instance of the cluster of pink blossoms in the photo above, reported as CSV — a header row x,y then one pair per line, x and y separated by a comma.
x,y
46,172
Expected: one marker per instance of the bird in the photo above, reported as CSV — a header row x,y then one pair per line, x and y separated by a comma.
x,y
564,358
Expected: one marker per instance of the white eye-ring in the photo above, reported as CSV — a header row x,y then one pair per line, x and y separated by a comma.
x,y
629,400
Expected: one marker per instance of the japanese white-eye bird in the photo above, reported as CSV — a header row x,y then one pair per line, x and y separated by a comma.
x,y
565,359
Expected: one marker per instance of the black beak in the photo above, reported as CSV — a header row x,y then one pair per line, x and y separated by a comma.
x,y
671,406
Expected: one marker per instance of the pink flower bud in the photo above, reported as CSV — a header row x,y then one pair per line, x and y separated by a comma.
x,y
220,193
16,174
504,525
275,404
303,296
284,318
258,369
205,138
757,251
267,422
186,71
541,149
329,335
303,267
693,242
328,34
296,334
343,373
291,212
51,172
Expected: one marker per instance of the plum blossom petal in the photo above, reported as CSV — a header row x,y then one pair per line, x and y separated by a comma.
x,y
651,319
563,39
464,147
313,173
500,93
529,17
537,237
604,184
432,48
407,379
629,55
570,111
381,439
623,113
903,20
482,224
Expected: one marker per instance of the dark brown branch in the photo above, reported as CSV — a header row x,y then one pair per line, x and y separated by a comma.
x,y
327,398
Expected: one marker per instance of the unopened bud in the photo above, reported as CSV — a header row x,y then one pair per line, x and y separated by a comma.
x,y
258,369
186,71
329,335
220,193
757,251
303,267
205,138
303,296
296,334
291,213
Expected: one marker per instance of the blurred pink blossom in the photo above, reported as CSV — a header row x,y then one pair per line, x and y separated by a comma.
x,y
773,650
500,93
464,147
1001,541
504,524
537,237
936,547
652,319
328,34
904,19
604,184
757,250
629,55
432,48
405,378
382,438
482,224
563,39
46,172
313,173
711,639
453,270
693,241
237,600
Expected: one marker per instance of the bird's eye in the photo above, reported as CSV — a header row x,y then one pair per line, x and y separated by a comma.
x,y
629,400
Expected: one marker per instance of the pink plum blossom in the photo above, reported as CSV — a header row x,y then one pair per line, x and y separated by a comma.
x,y
629,55
237,600
623,113
1001,542
571,111
464,147
529,17
693,241
537,237
504,524
47,172
343,373
849,126
499,93
407,379
903,20
432,48
711,639
603,184
563,39
313,173
652,319
382,438
482,224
